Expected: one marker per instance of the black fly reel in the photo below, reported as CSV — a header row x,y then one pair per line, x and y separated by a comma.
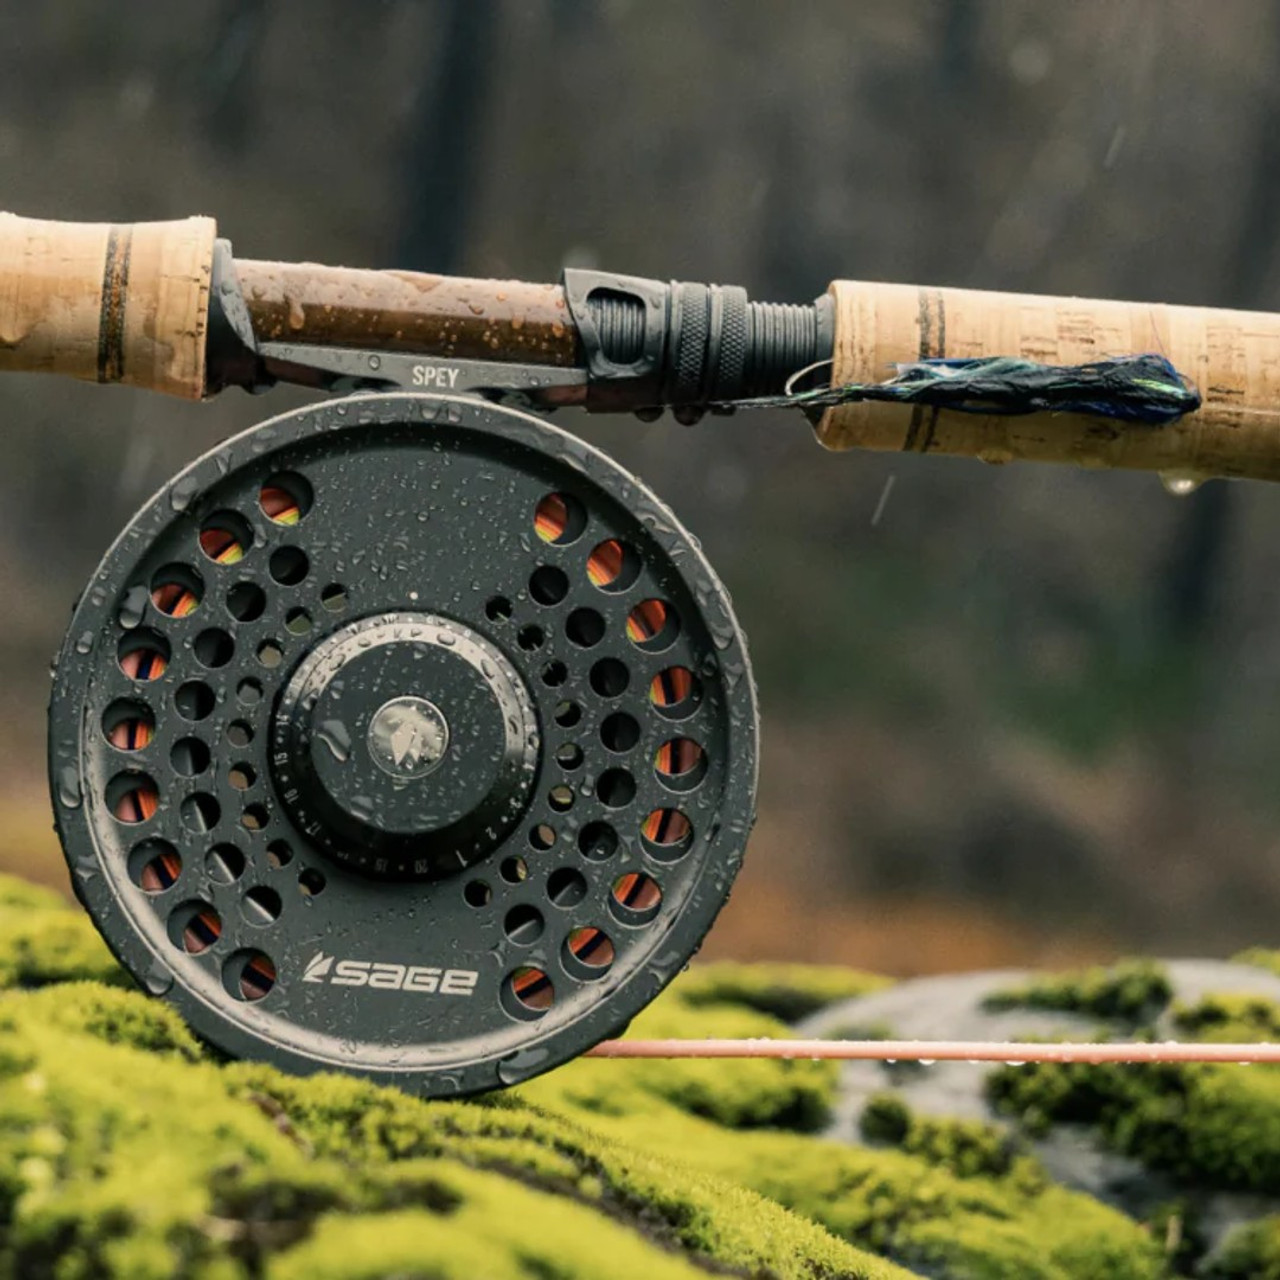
x,y
407,736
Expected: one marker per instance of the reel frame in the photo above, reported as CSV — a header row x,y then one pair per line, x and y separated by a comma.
x,y
302,1021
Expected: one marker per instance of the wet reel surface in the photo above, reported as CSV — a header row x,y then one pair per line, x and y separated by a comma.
x,y
408,736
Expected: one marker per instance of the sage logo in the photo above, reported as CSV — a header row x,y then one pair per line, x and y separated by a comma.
x,y
390,977
408,738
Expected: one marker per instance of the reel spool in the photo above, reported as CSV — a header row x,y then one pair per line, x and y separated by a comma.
x,y
406,736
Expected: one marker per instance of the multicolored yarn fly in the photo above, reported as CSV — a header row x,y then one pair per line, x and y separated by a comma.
x,y
1143,389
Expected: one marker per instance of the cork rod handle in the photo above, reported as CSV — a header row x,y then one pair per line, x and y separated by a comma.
x,y
108,303
1231,357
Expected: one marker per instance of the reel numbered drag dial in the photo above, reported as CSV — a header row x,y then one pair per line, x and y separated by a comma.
x,y
407,736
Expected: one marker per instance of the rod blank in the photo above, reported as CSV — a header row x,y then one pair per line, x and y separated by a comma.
x,y
925,1051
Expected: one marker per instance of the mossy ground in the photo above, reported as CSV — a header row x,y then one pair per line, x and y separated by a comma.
x,y
785,991
128,1150
1251,1253
1210,1125
1129,992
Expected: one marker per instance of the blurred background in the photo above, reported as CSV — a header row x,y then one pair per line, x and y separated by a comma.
x,y
1010,714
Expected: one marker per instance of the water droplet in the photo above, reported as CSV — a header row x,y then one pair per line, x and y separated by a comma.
x,y
335,736
158,980
184,489
993,456
1182,483
520,1066
132,607
70,796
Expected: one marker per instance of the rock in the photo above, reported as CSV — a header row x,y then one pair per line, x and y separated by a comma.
x,y
1179,1171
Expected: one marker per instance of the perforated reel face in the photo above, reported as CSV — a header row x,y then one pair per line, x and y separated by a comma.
x,y
407,736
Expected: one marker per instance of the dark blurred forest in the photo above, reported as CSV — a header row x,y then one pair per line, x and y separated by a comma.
x,y
1009,713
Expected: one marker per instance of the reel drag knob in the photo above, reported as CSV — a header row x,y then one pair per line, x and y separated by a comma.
x,y
376,710
405,736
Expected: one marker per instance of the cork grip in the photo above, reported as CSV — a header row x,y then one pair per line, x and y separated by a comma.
x,y
1231,357
107,303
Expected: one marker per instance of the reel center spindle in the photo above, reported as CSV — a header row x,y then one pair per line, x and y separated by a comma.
x,y
405,746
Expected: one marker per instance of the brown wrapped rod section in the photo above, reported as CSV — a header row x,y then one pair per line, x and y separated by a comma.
x,y
444,316
110,303
1231,357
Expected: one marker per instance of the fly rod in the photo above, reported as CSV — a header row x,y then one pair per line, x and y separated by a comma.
x,y
409,735
1188,391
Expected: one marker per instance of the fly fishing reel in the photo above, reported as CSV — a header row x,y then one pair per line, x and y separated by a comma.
x,y
405,735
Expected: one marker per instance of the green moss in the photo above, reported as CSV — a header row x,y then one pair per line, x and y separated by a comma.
x,y
15,892
1230,1019
1217,1125
499,1228
750,1094
968,1148
935,1207
114,1016
914,1211
786,991
1177,1223
1250,1252
1131,991
127,1153
42,941
885,1119
126,1150
1260,958
676,1205
907,1206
